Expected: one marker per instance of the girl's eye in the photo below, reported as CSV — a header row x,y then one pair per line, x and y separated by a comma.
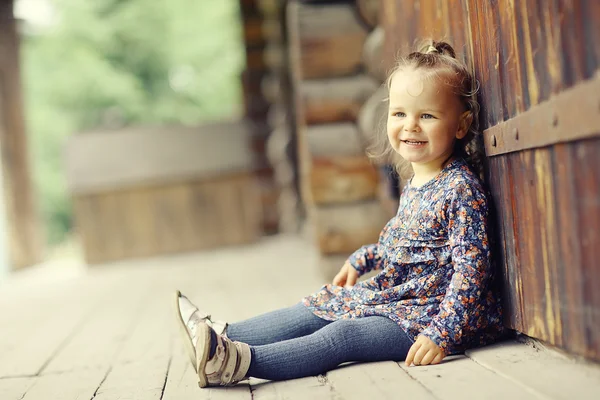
x,y
399,114
427,116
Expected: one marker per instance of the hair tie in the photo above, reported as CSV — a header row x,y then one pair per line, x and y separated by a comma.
x,y
431,49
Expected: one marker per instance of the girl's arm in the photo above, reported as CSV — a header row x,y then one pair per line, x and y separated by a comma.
x,y
368,257
467,229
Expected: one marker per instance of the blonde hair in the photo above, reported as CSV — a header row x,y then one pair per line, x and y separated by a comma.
x,y
438,61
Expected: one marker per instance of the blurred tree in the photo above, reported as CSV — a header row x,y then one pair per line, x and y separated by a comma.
x,y
109,63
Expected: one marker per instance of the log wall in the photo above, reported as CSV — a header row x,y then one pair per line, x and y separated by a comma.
x,y
331,84
526,55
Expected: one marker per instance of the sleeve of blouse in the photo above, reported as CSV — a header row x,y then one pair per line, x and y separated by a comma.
x,y
369,257
467,229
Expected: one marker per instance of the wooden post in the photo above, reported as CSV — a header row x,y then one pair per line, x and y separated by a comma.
x,y
23,233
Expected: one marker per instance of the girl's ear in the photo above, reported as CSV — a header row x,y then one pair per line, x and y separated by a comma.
x,y
464,124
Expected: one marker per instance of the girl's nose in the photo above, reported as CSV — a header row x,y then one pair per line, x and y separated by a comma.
x,y
411,126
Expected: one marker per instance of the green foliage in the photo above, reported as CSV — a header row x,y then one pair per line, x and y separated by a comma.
x,y
115,62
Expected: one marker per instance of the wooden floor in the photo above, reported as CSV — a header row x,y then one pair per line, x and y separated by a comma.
x,y
109,332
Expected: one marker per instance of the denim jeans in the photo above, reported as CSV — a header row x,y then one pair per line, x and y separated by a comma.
x,y
292,342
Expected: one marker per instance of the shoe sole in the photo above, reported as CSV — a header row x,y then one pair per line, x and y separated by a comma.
x,y
202,349
197,358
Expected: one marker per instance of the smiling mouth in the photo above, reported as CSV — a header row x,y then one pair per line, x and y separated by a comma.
x,y
413,142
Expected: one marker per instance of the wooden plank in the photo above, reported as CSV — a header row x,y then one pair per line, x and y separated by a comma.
x,y
373,54
587,195
182,384
333,139
459,377
46,306
142,156
184,216
140,380
508,262
15,388
312,387
369,11
555,376
372,118
563,118
345,228
100,339
326,40
571,272
73,385
381,380
343,179
336,99
45,336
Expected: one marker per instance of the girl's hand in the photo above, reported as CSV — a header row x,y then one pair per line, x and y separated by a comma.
x,y
424,352
347,276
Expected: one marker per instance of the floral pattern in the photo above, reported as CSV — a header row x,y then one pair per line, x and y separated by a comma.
x,y
434,257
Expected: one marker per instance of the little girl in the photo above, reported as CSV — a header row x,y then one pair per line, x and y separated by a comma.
x,y
433,296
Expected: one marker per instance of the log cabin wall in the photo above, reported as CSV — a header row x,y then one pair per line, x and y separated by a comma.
x,y
24,234
339,185
536,62
257,104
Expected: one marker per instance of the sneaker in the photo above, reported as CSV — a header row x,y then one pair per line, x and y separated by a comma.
x,y
227,366
231,360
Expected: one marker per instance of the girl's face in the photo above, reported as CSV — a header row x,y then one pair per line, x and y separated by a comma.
x,y
425,118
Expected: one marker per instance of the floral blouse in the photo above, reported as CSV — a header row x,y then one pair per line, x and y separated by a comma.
x,y
434,258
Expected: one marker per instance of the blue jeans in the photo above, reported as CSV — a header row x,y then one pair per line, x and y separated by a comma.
x,y
292,342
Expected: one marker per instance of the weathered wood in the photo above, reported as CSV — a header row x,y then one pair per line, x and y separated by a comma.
x,y
131,335
253,30
274,56
336,169
335,100
562,118
342,179
98,341
181,384
333,140
15,388
448,380
372,118
100,161
33,351
326,40
297,389
345,228
523,54
382,380
24,237
185,216
586,193
515,361
143,380
369,11
69,385
373,54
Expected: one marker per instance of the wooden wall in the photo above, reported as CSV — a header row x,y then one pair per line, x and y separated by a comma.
x,y
527,55
331,84
23,226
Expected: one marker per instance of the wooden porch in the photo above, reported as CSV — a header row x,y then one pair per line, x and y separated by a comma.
x,y
70,332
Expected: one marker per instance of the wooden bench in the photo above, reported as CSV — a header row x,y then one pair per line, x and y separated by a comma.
x,y
148,191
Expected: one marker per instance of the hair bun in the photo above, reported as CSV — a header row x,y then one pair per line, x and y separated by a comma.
x,y
445,49
442,48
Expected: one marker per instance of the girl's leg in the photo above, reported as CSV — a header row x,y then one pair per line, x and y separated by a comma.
x,y
362,339
275,326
